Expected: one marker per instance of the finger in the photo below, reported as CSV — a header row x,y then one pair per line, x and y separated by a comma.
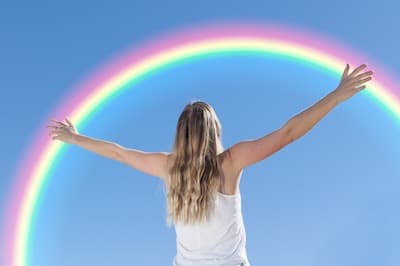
x,y
346,70
56,129
69,122
53,119
360,88
359,82
54,134
365,80
60,123
52,126
357,70
369,73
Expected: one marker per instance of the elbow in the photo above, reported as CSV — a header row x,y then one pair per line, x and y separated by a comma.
x,y
290,136
115,152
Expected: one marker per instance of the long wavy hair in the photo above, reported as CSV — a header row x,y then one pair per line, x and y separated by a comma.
x,y
195,172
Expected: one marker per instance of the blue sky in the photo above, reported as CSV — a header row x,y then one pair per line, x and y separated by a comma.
x,y
330,198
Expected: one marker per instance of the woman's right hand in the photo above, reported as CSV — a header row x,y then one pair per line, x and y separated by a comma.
x,y
352,83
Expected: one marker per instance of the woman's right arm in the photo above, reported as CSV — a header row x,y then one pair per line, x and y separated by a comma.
x,y
248,152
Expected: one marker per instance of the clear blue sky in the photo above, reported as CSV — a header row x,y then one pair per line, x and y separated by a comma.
x,y
331,198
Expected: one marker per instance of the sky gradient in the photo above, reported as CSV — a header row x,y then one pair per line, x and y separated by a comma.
x,y
308,209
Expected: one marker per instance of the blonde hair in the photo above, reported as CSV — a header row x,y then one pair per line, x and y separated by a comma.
x,y
194,174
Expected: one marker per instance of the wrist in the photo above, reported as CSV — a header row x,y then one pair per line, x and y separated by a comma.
x,y
75,139
335,97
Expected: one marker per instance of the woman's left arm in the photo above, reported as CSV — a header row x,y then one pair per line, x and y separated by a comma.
x,y
152,163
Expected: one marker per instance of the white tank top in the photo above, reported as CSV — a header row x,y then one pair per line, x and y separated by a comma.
x,y
219,241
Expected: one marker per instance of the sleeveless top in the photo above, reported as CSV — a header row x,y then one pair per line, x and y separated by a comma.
x,y
221,240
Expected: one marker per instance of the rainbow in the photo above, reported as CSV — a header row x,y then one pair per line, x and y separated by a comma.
x,y
130,66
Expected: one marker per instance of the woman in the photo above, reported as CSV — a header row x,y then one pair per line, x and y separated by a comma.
x,y
202,179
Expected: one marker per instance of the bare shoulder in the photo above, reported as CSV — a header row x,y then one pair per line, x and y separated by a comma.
x,y
251,151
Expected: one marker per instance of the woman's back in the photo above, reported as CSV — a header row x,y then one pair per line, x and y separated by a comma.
x,y
221,240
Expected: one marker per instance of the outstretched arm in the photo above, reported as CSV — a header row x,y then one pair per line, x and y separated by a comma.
x,y
349,85
248,152
152,163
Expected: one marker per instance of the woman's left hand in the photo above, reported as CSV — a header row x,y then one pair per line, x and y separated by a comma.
x,y
62,131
